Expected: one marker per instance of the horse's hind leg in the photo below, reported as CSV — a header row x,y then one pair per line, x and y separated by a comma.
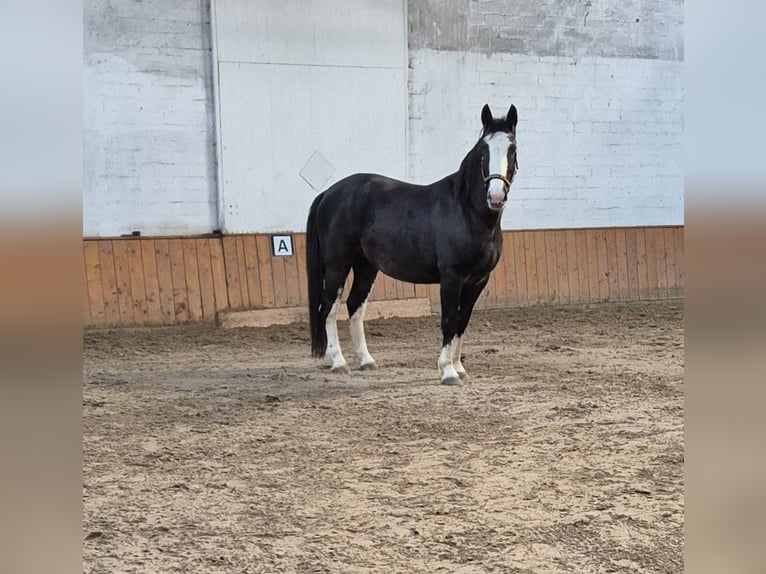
x,y
334,280
364,277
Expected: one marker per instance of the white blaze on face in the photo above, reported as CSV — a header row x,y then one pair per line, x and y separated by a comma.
x,y
498,144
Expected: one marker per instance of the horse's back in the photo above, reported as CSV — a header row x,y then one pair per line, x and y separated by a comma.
x,y
389,220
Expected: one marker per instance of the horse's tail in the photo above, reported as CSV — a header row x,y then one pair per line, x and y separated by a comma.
x,y
315,273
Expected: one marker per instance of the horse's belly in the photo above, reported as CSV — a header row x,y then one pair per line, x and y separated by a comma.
x,y
412,274
403,266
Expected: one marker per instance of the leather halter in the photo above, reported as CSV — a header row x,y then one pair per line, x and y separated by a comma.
x,y
500,176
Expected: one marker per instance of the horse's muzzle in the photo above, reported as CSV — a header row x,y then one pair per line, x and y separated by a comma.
x,y
497,190
496,204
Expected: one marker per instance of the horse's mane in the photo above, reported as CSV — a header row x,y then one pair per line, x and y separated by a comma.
x,y
471,162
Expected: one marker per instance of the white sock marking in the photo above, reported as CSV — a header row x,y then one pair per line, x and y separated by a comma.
x,y
457,349
446,366
356,327
334,354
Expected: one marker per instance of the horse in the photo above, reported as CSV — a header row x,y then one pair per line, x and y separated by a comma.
x,y
447,232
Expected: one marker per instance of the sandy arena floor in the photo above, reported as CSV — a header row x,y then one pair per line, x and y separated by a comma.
x,y
212,451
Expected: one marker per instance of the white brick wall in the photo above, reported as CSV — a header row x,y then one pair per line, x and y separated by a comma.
x,y
147,119
600,139
600,133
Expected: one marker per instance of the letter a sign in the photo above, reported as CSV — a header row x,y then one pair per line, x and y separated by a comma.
x,y
282,245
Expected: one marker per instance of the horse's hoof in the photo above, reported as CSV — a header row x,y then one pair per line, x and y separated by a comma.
x,y
341,370
462,374
368,367
451,381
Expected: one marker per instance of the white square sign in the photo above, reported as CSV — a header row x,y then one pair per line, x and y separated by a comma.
x,y
282,245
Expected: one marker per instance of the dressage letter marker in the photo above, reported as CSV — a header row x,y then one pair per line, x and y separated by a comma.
x,y
282,245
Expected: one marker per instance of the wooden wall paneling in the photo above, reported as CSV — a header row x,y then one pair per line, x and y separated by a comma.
x,y
93,283
642,267
194,290
206,285
264,270
670,262
408,290
678,238
379,288
651,263
137,283
300,252
573,278
151,282
242,271
389,288
435,297
631,263
562,266
178,277
122,275
592,255
218,271
231,265
520,255
542,294
501,283
280,281
291,278
550,266
622,265
86,320
508,261
530,255
662,270
603,265
253,282
396,289
611,262
165,281
108,283
581,262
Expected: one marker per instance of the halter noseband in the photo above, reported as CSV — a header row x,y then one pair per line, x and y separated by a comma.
x,y
500,176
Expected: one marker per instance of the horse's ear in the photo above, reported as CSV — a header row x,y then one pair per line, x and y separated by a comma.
x,y
486,116
512,118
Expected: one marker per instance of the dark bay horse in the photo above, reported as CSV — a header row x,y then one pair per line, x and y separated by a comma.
x,y
447,232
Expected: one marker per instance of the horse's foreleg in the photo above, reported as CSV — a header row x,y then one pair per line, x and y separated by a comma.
x,y
457,361
451,289
468,299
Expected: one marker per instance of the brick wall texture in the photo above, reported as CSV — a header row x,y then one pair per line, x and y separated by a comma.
x,y
598,84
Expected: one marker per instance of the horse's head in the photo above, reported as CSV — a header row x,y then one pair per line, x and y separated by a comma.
x,y
497,146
